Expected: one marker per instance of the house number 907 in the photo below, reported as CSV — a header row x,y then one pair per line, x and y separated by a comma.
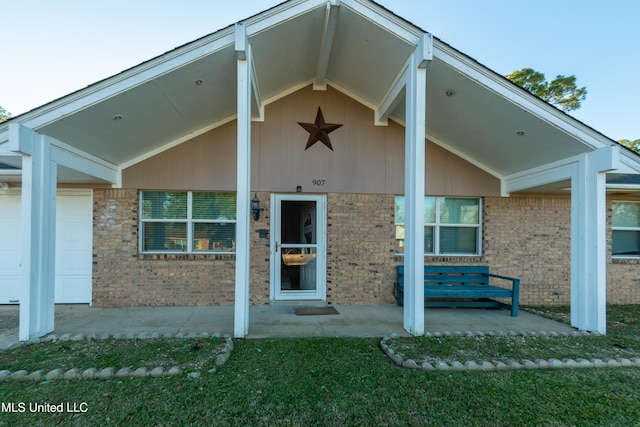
x,y
318,182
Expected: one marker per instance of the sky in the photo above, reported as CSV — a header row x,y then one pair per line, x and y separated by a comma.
x,y
52,48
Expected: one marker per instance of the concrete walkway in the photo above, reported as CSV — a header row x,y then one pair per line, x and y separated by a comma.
x,y
274,321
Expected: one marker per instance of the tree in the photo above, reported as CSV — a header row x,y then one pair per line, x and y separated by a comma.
x,y
561,92
4,115
633,145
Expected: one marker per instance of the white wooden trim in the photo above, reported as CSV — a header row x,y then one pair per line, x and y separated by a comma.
x,y
542,175
351,95
321,244
623,187
287,92
424,50
281,13
463,156
589,239
25,141
177,142
606,159
38,219
385,20
415,143
241,310
391,98
629,162
257,97
326,43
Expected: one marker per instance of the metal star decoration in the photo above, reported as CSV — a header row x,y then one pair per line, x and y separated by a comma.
x,y
319,131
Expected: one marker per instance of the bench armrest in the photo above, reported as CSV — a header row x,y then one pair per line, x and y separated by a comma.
x,y
515,284
497,276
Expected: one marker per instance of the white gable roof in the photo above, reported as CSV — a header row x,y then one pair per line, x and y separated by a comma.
x,y
355,46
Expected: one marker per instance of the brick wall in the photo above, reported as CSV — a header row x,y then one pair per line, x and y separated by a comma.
x,y
260,252
525,237
360,248
123,277
530,238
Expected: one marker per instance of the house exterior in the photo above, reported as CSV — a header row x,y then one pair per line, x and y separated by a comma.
x,y
252,166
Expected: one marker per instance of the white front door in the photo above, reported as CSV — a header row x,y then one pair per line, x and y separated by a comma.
x,y
298,247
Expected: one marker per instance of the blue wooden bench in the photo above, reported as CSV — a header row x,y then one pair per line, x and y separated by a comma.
x,y
462,286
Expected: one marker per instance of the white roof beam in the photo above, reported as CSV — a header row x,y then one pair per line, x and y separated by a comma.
x,y
25,140
243,52
279,14
629,163
541,175
385,20
326,43
256,98
392,98
423,55
424,50
603,159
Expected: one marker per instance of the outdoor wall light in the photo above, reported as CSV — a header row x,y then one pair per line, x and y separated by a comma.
x,y
255,207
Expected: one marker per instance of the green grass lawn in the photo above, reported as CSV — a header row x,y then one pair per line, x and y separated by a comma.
x,y
622,341
191,354
336,381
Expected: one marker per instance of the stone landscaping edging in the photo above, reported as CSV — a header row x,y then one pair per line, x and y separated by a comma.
x,y
557,317
110,372
471,365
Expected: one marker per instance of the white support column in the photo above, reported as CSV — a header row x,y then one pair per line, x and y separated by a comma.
x,y
241,311
414,183
588,239
38,210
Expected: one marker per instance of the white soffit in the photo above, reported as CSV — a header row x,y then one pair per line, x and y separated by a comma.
x,y
150,107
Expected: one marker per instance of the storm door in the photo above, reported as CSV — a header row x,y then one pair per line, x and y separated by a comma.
x,y
298,255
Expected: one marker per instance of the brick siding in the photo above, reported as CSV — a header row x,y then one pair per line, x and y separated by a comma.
x,y
123,277
360,248
525,237
530,238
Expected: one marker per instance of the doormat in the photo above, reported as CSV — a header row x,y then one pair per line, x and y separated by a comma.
x,y
315,311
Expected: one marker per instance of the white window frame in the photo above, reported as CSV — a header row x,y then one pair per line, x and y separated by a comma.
x,y
438,225
613,228
189,222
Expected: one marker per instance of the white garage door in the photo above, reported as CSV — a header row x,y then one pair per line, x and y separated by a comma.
x,y
9,249
73,247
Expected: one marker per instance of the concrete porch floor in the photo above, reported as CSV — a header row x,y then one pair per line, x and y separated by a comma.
x,y
273,321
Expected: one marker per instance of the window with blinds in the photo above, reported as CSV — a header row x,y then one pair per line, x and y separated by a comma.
x,y
187,221
625,233
452,225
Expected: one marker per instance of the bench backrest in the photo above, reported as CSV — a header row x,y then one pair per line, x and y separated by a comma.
x,y
451,275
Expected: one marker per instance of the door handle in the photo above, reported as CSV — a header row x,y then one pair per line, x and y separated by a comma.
x,y
276,247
